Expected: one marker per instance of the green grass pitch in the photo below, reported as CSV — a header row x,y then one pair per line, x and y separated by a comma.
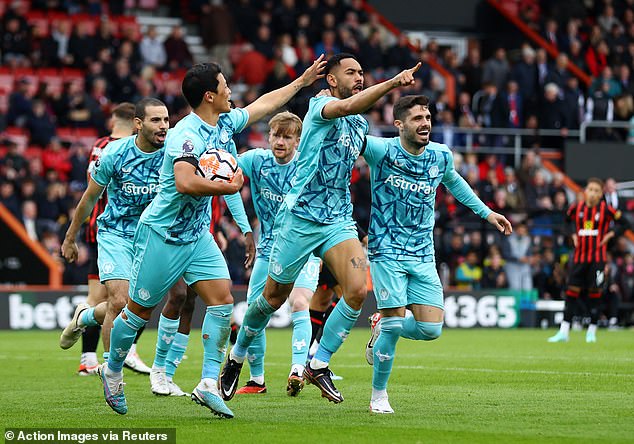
x,y
469,386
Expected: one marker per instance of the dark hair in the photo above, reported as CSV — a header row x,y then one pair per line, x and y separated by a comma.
x,y
124,111
142,105
595,180
405,103
199,79
336,60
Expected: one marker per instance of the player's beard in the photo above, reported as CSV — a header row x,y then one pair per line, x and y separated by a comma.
x,y
344,92
413,139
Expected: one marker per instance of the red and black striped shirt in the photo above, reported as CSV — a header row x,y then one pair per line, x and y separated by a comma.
x,y
91,227
591,224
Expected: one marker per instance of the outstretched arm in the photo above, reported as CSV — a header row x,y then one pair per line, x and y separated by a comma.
x,y
273,100
463,192
85,206
360,102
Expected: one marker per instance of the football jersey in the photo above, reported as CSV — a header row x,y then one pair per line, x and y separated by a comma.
x,y
182,218
404,194
95,153
269,181
131,177
328,149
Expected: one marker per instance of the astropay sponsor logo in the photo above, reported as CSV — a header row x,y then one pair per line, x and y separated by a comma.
x,y
131,188
404,184
270,195
44,315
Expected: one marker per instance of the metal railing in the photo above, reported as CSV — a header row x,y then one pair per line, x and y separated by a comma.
x,y
601,124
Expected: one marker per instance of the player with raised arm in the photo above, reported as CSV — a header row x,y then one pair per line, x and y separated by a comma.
x,y
590,221
316,217
173,238
271,173
128,168
405,172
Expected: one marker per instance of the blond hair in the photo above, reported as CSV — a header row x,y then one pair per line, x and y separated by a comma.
x,y
286,123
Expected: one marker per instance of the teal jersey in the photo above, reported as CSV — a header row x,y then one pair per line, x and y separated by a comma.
x,y
328,149
269,181
131,177
182,218
234,201
403,198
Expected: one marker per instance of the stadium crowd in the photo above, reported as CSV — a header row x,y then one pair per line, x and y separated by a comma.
x,y
104,59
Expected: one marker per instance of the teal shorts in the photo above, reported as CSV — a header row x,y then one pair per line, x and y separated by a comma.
x,y
307,278
158,265
298,238
404,282
114,256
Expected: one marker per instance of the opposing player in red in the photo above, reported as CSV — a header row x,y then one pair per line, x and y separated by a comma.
x,y
591,221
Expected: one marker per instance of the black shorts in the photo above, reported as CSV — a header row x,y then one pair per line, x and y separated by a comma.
x,y
587,276
326,278
93,268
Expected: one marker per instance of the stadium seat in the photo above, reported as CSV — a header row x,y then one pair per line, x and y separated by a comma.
x,y
17,135
52,78
7,80
66,135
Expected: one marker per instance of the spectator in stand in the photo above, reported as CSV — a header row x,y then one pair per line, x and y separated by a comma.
x,y
597,57
471,69
496,70
600,107
371,54
20,104
217,28
263,43
40,125
104,39
400,54
514,194
493,274
543,68
571,35
551,34
152,49
576,55
538,190
607,76
8,197
252,68
487,187
552,115
469,273
15,45
574,103
550,276
287,52
81,46
559,74
525,74
515,105
491,163
177,50
14,165
61,34
517,254
328,44
285,17
607,19
56,158
29,219
491,110
610,194
121,83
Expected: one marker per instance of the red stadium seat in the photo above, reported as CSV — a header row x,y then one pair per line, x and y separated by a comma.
x,y
37,19
17,135
91,21
7,80
66,134
86,136
33,152
52,78
72,75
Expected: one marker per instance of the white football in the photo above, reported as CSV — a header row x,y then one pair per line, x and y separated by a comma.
x,y
218,165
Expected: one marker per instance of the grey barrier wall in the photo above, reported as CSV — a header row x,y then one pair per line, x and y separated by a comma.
x,y
51,310
599,159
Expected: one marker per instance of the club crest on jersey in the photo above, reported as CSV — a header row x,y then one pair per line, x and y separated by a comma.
x,y
188,146
144,294
383,294
433,171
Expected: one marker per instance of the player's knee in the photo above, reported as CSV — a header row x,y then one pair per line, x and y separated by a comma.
x,y
428,331
188,306
356,295
116,302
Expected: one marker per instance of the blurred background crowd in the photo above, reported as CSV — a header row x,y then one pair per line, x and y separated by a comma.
x,y
65,64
